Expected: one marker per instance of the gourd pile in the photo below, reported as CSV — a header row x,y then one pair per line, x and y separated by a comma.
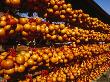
x,y
70,46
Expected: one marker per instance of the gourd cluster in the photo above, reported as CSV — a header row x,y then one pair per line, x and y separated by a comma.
x,y
85,59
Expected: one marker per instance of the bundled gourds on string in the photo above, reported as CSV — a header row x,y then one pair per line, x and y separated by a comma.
x,y
62,11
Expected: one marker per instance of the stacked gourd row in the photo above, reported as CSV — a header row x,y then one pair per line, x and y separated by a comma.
x,y
13,61
31,28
